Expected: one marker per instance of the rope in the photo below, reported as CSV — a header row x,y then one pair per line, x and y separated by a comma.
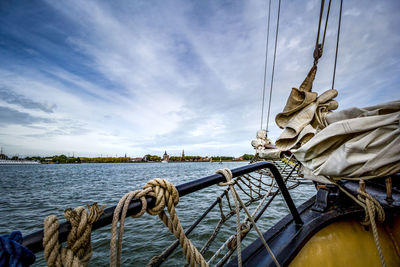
x,y
249,182
319,47
319,23
273,64
218,252
228,176
265,64
115,252
337,43
79,250
326,24
372,209
165,194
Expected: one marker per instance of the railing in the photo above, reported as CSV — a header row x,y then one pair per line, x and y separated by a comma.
x,y
34,241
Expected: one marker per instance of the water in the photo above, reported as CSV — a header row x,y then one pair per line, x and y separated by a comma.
x,y
30,193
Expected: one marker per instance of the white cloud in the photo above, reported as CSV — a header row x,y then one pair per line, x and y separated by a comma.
x,y
140,77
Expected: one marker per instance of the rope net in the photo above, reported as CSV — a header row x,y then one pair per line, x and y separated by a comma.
x,y
218,234
256,191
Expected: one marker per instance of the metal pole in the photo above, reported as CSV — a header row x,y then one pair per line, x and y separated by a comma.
x,y
286,195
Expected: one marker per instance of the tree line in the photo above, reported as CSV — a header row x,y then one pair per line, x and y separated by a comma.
x,y
62,159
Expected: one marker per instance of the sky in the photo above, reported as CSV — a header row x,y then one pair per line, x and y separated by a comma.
x,y
91,78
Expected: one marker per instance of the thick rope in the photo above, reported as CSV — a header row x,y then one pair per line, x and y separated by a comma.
x,y
372,209
115,252
228,176
165,194
79,249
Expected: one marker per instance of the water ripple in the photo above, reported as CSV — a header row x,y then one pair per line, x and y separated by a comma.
x,y
30,193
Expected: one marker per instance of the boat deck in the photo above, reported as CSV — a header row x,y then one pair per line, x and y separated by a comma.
x,y
286,238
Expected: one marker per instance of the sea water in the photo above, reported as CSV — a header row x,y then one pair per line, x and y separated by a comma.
x,y
29,193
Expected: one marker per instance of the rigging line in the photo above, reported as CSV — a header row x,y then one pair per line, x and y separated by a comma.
x,y
273,64
265,65
337,44
320,20
326,24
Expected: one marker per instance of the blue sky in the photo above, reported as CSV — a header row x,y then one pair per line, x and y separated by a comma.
x,y
137,77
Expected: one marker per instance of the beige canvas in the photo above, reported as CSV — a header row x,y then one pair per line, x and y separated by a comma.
x,y
357,143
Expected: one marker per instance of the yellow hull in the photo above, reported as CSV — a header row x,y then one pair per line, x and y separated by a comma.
x,y
348,243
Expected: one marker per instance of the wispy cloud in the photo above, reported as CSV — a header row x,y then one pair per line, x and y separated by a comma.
x,y
11,97
136,76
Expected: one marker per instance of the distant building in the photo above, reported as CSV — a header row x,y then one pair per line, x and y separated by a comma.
x,y
183,155
165,157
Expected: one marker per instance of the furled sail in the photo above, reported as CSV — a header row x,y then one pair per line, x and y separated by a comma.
x,y
350,144
357,143
264,147
304,114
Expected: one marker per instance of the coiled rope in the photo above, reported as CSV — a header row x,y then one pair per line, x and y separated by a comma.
x,y
229,182
79,249
165,194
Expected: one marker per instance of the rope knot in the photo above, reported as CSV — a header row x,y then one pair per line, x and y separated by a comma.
x,y
79,249
228,176
372,208
164,192
166,195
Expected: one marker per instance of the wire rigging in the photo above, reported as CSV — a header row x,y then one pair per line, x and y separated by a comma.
x,y
317,52
265,65
326,23
320,46
337,44
273,64
319,24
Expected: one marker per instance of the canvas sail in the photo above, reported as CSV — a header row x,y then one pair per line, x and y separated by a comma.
x,y
350,144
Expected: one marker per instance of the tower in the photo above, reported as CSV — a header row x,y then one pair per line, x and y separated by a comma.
x,y
165,157
183,155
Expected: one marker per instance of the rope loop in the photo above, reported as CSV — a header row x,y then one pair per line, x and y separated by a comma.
x,y
373,205
164,192
227,173
166,195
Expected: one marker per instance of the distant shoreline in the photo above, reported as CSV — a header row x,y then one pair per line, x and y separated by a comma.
x,y
63,159
144,162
